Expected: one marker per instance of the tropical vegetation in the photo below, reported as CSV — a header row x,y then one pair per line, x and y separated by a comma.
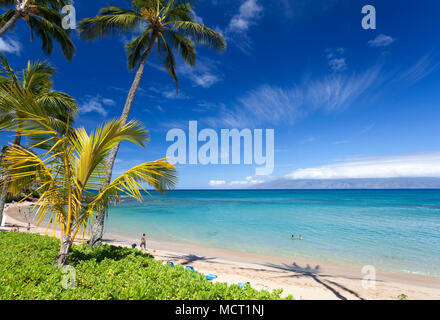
x,y
70,173
69,169
36,80
105,273
167,24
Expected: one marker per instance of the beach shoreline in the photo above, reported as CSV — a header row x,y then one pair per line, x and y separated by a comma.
x,y
308,280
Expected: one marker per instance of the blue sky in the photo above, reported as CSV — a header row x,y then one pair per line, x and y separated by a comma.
x,y
335,94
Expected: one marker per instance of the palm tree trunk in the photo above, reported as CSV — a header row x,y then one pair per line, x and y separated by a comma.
x,y
98,221
63,255
11,23
17,141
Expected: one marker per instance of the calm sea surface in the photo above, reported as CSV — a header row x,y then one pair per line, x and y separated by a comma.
x,y
395,230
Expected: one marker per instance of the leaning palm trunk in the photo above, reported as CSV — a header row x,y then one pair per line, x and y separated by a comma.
x,y
168,23
20,11
11,23
98,221
63,255
6,183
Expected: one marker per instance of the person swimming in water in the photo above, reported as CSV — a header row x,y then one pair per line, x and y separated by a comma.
x,y
300,237
293,237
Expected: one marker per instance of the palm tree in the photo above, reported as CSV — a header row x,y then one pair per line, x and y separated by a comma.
x,y
37,79
168,24
44,21
70,174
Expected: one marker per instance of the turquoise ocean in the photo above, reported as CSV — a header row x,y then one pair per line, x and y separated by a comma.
x,y
394,230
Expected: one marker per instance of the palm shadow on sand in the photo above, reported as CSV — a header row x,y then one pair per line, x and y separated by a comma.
x,y
297,271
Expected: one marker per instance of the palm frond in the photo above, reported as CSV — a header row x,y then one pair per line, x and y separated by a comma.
x,y
111,20
169,60
159,174
37,76
47,26
136,48
201,34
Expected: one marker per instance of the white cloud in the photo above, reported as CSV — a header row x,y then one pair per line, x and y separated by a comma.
x,y
337,64
308,140
10,46
204,74
381,41
403,166
336,60
249,11
197,19
108,102
275,105
216,183
96,104
168,93
341,142
249,181
421,69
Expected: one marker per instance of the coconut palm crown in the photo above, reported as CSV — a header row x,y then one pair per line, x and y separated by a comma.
x,y
168,24
44,20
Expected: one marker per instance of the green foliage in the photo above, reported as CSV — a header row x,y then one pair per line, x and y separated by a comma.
x,y
402,297
19,196
106,272
44,20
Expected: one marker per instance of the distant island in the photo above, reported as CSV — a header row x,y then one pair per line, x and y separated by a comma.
x,y
372,183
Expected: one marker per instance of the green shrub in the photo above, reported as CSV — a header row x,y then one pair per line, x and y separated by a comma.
x,y
402,297
107,272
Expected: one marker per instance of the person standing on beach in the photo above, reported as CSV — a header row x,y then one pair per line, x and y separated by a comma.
x,y
144,241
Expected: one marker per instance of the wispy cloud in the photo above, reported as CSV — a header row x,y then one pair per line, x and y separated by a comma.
x,y
10,45
217,183
421,69
197,19
337,64
96,104
204,74
381,41
336,59
168,93
341,142
247,182
236,32
248,13
400,166
308,140
276,105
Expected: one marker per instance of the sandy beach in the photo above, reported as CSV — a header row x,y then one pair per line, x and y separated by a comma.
x,y
307,280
